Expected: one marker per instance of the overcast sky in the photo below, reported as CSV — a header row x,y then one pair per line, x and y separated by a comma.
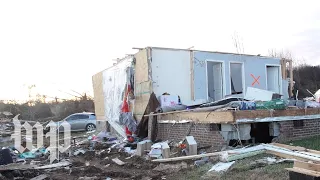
x,y
58,45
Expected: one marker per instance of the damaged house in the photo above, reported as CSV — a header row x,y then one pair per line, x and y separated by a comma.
x,y
217,97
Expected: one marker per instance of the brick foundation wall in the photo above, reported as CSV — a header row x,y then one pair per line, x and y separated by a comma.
x,y
204,134
303,129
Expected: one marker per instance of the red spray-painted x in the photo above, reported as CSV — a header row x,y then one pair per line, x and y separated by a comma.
x,y
256,80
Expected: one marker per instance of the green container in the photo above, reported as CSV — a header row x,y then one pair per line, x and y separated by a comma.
x,y
276,104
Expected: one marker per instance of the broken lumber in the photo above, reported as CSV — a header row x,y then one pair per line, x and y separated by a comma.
x,y
299,173
289,154
296,148
15,166
40,177
55,165
307,165
293,148
188,157
118,161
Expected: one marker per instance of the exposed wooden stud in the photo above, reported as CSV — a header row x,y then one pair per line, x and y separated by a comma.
x,y
291,78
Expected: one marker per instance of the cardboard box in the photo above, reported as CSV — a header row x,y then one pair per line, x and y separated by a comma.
x,y
169,100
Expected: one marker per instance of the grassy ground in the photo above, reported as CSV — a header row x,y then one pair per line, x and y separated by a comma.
x,y
246,169
309,143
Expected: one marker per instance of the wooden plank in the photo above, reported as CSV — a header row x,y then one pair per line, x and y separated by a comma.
x,y
299,176
304,171
209,117
293,148
16,166
307,165
40,177
296,148
97,82
55,165
118,161
286,156
291,78
313,151
252,114
141,66
283,68
143,85
259,114
187,157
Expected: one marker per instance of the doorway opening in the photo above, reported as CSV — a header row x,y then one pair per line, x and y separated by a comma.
x,y
236,78
273,78
215,80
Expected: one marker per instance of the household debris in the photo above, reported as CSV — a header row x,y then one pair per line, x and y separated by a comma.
x,y
191,145
221,167
79,152
118,161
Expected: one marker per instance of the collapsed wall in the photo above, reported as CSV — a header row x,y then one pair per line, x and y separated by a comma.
x,y
109,90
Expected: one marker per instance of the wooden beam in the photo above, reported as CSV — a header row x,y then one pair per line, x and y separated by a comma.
x,y
291,78
293,148
313,151
205,117
304,171
286,156
259,114
307,165
187,157
283,68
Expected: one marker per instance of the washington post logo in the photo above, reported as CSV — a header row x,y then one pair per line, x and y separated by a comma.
x,y
54,148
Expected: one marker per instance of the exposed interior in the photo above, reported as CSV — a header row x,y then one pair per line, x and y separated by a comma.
x,y
273,81
215,80
236,78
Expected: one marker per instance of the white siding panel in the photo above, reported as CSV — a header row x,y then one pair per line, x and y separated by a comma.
x,y
171,73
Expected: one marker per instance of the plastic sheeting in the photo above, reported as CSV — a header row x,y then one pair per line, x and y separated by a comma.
x,y
115,80
126,118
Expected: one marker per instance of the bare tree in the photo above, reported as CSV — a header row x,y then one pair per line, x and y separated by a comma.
x,y
238,43
287,55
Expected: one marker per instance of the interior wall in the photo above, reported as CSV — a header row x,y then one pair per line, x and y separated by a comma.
x,y
171,72
253,66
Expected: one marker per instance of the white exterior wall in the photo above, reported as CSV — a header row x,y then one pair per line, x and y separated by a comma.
x,y
171,73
